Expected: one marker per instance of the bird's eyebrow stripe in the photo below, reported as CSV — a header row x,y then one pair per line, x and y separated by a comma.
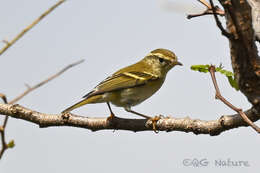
x,y
160,55
156,54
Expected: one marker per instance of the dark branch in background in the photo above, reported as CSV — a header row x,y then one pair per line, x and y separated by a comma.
x,y
243,50
2,129
8,44
229,8
220,97
255,9
223,31
214,127
208,11
29,89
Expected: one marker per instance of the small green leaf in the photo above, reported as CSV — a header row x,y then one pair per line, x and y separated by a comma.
x,y
233,82
11,144
225,72
228,74
230,77
200,68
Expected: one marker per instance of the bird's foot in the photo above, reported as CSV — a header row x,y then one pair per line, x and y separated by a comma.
x,y
65,115
112,121
111,117
154,121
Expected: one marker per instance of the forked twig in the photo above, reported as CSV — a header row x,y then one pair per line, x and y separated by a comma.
x,y
223,31
27,91
8,44
208,11
212,71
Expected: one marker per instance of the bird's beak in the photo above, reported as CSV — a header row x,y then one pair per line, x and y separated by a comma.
x,y
178,63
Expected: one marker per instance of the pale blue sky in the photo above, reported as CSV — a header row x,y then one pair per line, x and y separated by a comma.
x,y
110,35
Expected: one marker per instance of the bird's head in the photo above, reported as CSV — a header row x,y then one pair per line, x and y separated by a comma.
x,y
162,60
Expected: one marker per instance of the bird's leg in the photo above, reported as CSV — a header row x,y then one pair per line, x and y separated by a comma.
x,y
153,119
128,109
112,115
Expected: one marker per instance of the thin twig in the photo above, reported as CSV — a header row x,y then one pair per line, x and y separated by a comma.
x,y
205,3
212,71
3,97
208,11
5,42
45,81
4,145
2,128
223,31
8,44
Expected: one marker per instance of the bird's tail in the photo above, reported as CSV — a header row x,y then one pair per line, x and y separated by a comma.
x,y
93,99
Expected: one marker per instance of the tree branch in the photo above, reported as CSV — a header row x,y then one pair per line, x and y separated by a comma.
x,y
208,11
8,44
243,50
2,129
213,127
220,97
223,31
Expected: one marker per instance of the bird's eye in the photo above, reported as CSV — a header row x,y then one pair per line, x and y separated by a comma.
x,y
161,60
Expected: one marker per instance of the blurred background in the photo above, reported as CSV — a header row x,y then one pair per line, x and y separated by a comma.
x,y
110,35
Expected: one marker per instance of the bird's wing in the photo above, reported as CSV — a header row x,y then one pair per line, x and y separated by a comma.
x,y
122,81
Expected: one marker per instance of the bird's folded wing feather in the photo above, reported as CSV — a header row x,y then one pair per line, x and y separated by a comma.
x,y
122,81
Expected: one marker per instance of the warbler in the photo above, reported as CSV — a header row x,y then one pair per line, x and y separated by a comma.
x,y
132,85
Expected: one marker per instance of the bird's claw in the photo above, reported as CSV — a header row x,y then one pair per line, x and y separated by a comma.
x,y
111,117
112,121
154,121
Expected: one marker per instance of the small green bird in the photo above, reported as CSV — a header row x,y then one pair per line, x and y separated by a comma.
x,y
133,84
